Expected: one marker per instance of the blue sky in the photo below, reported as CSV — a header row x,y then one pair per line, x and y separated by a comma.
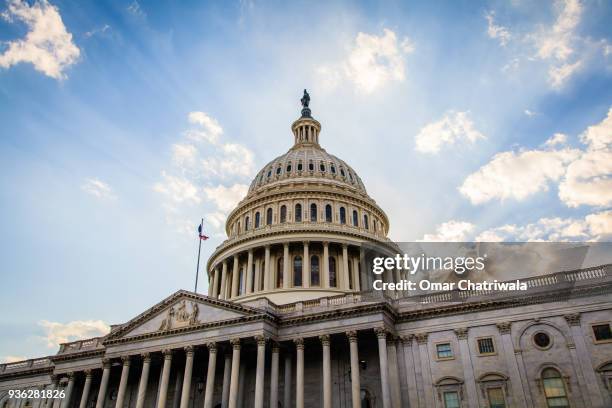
x,y
124,123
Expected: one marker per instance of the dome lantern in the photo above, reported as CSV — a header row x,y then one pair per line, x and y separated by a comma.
x,y
306,129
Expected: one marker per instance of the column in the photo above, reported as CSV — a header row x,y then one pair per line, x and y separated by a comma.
x,y
274,377
249,272
327,399
210,375
356,284
68,393
187,377
421,339
516,386
381,333
325,274
241,385
257,277
227,372
286,278
299,373
223,280
178,385
163,386
345,269
355,382
235,282
267,277
233,391
260,373
125,372
103,383
468,370
586,366
394,379
306,266
287,383
86,389
144,380
215,283
410,374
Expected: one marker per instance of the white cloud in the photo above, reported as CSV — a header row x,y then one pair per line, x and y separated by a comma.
x,y
599,136
556,139
496,31
178,189
530,113
217,219
12,359
235,160
556,41
184,155
136,10
453,127
226,198
557,75
594,227
451,231
47,45
97,31
210,130
57,333
98,189
516,175
372,62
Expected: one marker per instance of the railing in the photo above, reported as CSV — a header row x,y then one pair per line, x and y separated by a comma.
x,y
26,364
74,346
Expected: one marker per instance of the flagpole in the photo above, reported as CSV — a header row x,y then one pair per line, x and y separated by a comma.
x,y
198,264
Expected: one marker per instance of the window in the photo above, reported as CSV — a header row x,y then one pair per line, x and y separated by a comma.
x,y
315,279
350,176
311,166
333,280
246,223
554,389
486,346
298,213
297,271
299,166
342,215
283,214
451,399
278,170
269,217
495,395
313,212
279,273
257,219
365,221
602,332
355,218
333,169
444,351
322,167
288,167
542,340
269,173
342,172
328,213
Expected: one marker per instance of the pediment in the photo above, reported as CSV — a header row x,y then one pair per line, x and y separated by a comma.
x,y
183,310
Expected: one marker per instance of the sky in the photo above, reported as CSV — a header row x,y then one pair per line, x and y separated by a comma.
x,y
123,123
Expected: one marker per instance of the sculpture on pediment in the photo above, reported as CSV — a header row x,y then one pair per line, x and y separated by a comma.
x,y
166,324
195,312
182,315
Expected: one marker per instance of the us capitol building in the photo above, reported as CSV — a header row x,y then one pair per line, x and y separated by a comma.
x,y
290,320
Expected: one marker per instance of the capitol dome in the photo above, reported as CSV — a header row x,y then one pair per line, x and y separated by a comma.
x,y
298,233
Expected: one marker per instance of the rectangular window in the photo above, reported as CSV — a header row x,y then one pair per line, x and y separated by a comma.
x,y
496,397
451,400
444,350
602,332
486,346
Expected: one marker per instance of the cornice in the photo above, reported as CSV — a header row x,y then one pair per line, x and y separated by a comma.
x,y
28,373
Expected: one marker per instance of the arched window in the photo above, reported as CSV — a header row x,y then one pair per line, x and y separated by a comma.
x,y
289,167
279,273
283,213
269,216
241,282
313,212
355,218
298,213
333,169
365,221
269,173
342,172
554,388
257,219
322,167
278,170
246,223
299,166
328,213
315,279
297,271
342,215
311,166
333,281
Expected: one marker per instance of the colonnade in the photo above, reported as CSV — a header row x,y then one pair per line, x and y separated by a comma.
x,y
258,269
233,374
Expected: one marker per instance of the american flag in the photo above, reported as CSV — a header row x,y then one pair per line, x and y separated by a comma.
x,y
202,236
